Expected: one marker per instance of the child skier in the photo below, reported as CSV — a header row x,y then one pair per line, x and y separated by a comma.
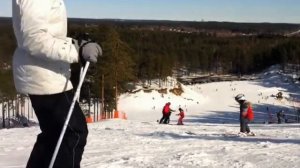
x,y
246,114
181,114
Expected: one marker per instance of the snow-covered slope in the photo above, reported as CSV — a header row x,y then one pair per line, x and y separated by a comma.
x,y
134,144
143,106
214,102
208,138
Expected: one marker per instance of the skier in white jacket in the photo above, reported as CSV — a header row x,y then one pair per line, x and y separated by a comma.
x,y
41,68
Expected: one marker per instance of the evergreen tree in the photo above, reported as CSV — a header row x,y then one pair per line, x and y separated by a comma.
x,y
116,66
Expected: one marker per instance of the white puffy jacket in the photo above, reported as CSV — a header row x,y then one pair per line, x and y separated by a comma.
x,y
41,63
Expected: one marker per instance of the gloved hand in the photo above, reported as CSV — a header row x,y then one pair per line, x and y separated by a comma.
x,y
88,51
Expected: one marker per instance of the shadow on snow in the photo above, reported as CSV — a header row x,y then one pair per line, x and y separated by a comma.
x,y
219,137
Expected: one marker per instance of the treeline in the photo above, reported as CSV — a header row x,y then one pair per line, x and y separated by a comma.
x,y
258,28
209,54
133,52
7,47
148,54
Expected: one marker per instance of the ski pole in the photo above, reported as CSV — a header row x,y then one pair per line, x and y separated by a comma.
x,y
69,115
80,75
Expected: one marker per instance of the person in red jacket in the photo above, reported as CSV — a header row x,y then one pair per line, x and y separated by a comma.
x,y
181,116
166,114
246,114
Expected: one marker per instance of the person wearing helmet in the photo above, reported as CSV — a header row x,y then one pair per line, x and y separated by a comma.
x,y
244,106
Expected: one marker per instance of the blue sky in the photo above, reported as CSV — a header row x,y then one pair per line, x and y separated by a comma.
x,y
281,11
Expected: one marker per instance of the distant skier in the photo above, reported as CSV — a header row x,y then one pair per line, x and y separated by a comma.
x,y
166,114
169,116
246,114
181,116
280,116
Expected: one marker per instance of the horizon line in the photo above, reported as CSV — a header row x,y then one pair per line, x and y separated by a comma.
x,y
174,20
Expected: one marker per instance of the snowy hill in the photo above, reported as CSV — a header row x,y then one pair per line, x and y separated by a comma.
x,y
143,106
214,102
208,138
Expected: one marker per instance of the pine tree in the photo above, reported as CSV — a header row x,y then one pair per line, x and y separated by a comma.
x,y
116,66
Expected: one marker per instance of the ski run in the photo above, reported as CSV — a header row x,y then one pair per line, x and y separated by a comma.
x,y
209,137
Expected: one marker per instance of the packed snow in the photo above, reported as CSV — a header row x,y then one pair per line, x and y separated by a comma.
x,y
208,138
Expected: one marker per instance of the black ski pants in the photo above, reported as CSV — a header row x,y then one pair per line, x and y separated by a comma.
x,y
51,111
167,119
164,118
244,127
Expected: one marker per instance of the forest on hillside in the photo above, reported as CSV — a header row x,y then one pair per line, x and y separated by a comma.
x,y
146,50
